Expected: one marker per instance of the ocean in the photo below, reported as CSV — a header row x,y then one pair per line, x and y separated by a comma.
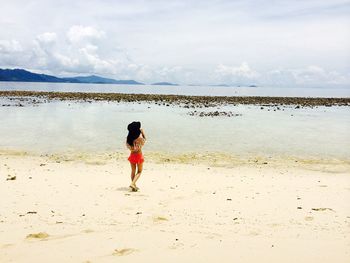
x,y
68,126
180,90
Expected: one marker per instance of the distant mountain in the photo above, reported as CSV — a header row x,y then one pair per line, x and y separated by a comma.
x,y
23,75
101,80
165,84
94,79
27,76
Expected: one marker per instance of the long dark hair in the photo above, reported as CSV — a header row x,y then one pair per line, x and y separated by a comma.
x,y
134,132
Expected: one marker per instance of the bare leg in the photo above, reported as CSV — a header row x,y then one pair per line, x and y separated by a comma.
x,y
138,174
133,171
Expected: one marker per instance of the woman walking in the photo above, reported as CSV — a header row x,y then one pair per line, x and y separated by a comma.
x,y
135,141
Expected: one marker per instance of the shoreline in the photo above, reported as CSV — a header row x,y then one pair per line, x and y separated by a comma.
x,y
181,100
72,211
213,159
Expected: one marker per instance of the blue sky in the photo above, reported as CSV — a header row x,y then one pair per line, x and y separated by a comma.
x,y
270,43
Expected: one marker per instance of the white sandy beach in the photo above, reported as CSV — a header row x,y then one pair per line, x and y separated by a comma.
x,y
242,112
84,212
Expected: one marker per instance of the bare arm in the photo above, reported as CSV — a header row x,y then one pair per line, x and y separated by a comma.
x,y
129,147
143,134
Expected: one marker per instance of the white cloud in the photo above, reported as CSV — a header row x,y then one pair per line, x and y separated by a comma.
x,y
315,75
12,53
80,33
62,57
310,76
10,46
182,41
66,62
78,54
242,74
241,71
48,37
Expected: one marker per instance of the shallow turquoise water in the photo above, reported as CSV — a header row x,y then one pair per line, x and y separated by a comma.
x,y
63,126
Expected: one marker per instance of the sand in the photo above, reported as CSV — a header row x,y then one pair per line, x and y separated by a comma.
x,y
76,211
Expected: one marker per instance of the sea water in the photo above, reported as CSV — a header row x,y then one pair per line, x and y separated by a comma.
x,y
180,90
67,126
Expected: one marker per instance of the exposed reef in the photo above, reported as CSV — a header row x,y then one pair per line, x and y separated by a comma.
x,y
180,100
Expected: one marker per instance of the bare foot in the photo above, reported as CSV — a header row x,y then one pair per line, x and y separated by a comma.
x,y
133,188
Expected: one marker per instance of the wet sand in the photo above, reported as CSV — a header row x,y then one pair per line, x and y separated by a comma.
x,y
80,210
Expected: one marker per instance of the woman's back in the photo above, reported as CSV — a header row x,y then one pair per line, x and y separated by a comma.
x,y
137,144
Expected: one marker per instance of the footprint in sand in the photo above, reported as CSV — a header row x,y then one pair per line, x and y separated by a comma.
x,y
123,251
7,245
40,235
159,219
11,178
176,245
87,231
95,162
254,233
322,209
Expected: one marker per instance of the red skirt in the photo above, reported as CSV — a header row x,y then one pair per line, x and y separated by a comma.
x,y
136,158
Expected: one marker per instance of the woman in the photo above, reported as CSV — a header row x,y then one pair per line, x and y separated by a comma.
x,y
134,141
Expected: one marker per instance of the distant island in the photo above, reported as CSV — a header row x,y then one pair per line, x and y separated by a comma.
x,y
22,75
165,84
220,85
27,76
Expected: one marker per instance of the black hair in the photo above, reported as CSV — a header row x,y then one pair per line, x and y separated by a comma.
x,y
134,132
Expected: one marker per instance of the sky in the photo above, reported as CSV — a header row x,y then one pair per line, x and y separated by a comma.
x,y
285,43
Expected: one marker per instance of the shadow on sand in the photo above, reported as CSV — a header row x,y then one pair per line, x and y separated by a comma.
x,y
123,189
